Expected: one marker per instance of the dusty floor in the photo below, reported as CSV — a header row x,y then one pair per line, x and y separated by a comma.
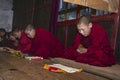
x,y
15,68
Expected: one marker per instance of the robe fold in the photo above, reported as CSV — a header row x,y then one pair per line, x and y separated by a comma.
x,y
99,51
24,43
44,44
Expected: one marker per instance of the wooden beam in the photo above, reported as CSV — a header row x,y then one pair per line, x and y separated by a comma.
x,y
116,27
111,72
106,5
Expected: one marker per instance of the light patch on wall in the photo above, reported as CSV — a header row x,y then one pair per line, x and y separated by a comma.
x,y
6,4
106,5
6,14
6,19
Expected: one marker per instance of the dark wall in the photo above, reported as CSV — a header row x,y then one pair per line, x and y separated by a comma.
x,y
117,51
22,12
61,34
42,13
36,12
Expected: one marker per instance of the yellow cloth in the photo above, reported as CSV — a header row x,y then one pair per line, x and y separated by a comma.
x,y
47,67
80,46
10,50
61,68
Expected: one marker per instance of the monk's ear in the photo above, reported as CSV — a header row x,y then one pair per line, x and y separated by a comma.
x,y
90,25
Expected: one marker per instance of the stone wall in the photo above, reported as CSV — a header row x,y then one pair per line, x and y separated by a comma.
x,y
6,14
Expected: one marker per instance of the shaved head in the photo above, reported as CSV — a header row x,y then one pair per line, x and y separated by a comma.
x,y
30,31
84,26
84,19
29,27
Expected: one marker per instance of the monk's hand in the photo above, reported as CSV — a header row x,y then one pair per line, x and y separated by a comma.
x,y
81,50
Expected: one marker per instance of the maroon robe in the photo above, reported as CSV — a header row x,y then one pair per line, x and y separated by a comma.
x,y
24,43
99,51
10,44
44,44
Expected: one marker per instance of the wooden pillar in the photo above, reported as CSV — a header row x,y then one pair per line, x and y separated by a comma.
x,y
66,28
33,9
115,31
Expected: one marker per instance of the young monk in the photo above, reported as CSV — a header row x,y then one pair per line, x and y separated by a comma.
x,y
2,34
12,41
91,45
24,43
44,44
3,37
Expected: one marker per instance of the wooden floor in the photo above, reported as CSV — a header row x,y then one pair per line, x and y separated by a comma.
x,y
15,68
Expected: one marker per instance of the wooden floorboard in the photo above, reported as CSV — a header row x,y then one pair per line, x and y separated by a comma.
x,y
16,68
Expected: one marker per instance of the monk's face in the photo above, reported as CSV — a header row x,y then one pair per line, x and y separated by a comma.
x,y
2,33
84,29
12,38
17,34
30,33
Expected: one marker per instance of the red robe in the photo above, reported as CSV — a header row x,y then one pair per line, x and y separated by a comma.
x,y
99,51
44,44
24,43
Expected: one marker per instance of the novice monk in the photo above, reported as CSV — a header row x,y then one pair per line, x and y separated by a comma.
x,y
91,45
24,43
44,44
12,41
3,37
